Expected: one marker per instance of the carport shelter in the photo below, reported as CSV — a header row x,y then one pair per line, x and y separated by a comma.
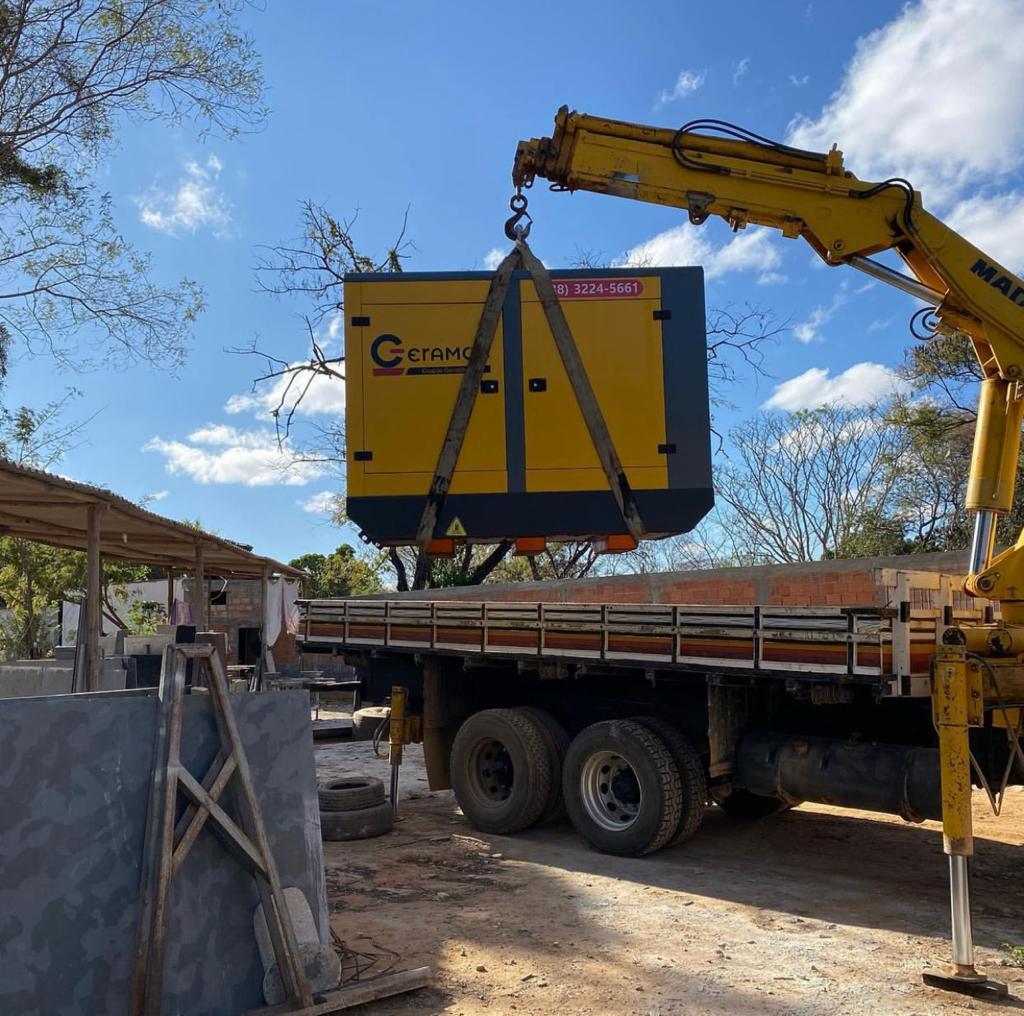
x,y
44,508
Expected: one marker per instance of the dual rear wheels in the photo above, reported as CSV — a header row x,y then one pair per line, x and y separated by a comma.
x,y
630,787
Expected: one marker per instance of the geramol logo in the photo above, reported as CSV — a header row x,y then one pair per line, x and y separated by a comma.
x,y
390,356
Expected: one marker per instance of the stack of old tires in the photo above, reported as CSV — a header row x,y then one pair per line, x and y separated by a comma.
x,y
629,786
354,808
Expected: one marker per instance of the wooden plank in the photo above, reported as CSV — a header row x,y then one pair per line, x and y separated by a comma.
x,y
172,685
150,849
356,993
275,907
233,837
194,818
201,598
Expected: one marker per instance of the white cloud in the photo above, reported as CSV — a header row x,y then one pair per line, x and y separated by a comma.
x,y
157,495
686,84
494,257
809,329
686,245
325,396
193,204
799,82
739,70
218,453
321,503
330,336
859,385
995,224
905,107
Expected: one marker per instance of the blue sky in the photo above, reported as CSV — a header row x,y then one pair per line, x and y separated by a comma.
x,y
380,107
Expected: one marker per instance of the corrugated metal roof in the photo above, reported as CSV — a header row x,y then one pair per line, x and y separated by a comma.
x,y
46,508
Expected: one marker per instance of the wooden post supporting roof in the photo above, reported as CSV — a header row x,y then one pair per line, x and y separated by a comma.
x,y
200,597
93,597
170,596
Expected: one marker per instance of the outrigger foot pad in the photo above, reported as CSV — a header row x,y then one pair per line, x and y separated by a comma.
x,y
975,985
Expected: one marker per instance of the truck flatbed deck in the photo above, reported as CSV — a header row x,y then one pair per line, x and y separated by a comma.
x,y
889,647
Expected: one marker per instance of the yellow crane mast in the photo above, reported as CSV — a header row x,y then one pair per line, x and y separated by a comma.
x,y
710,167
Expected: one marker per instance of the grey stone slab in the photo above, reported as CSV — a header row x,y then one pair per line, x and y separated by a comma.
x,y
74,782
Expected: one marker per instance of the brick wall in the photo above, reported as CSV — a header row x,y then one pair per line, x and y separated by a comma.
x,y
242,610
820,583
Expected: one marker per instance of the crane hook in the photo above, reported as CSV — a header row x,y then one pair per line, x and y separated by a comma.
x,y
513,230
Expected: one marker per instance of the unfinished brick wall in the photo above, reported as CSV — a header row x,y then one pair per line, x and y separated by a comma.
x,y
242,610
815,584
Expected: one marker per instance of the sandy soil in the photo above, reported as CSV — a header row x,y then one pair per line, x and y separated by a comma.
x,y
815,911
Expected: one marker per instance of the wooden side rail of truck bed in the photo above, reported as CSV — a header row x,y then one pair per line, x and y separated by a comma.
x,y
890,647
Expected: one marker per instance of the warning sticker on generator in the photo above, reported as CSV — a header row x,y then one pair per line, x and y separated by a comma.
x,y
597,289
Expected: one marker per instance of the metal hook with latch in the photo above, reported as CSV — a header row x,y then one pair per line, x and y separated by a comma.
x,y
513,229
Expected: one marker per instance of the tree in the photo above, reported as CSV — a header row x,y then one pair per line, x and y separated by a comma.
x,y
341,573
801,485
946,371
71,72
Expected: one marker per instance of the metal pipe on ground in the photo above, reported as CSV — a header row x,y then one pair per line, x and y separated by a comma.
x,y
896,779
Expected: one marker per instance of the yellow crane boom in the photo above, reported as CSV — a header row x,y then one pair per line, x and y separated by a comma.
x,y
710,167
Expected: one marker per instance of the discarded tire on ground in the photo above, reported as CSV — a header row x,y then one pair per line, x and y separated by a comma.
x,y
501,770
350,793
557,741
365,722
693,783
360,824
746,805
622,789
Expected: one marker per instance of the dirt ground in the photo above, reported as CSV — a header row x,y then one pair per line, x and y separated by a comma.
x,y
815,911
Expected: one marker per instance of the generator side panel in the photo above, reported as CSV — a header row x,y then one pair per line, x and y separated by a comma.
x,y
528,466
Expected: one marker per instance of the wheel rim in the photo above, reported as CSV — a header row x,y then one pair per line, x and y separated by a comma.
x,y
610,790
492,770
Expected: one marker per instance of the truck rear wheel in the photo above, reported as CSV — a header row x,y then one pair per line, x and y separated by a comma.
x,y
743,804
692,779
622,789
557,741
501,770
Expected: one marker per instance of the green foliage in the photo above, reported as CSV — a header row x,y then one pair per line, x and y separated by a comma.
x,y
71,73
946,371
1014,954
341,573
34,579
875,533
144,615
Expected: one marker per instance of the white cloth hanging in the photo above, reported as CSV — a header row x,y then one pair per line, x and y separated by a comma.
x,y
291,606
275,612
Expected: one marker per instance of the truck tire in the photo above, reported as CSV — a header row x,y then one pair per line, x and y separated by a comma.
x,y
743,804
558,744
366,721
360,824
501,770
692,778
622,789
350,793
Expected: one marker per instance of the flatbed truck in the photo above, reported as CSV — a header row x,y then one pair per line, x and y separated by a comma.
x,y
634,717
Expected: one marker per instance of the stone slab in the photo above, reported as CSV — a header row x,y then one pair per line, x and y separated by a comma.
x,y
74,782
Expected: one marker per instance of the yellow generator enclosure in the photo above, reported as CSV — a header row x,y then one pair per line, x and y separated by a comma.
x,y
527,467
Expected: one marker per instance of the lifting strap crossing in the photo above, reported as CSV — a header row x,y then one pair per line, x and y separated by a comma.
x,y
522,257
